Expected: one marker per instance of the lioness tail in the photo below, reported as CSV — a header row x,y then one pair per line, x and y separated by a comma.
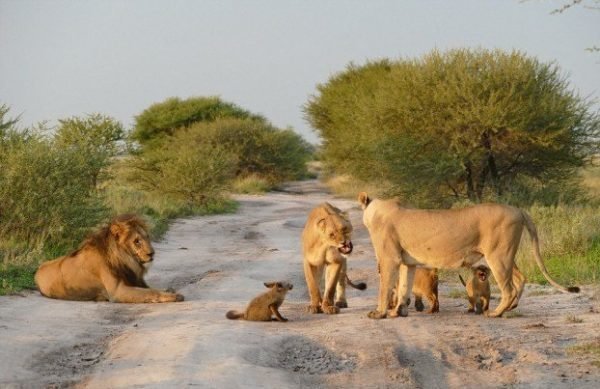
x,y
538,258
359,286
233,315
462,281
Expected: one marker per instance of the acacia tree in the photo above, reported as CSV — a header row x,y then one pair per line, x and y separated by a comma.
x,y
474,124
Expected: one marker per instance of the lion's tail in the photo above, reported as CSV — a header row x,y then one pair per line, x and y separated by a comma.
x,y
233,315
462,281
538,258
359,286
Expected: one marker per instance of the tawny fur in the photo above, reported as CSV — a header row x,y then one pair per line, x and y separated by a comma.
x,y
447,239
326,240
108,266
265,305
478,289
425,285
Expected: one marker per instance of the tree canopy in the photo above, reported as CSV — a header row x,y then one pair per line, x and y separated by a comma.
x,y
165,118
474,124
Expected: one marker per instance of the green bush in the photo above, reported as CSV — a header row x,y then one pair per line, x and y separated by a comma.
x,y
165,118
185,170
261,149
570,244
45,190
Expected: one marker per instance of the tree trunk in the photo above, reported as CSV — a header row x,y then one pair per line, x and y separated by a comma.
x,y
469,181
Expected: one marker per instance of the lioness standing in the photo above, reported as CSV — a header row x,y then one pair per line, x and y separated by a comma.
x,y
325,243
447,239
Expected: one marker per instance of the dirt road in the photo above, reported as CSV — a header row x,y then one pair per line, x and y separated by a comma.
x,y
220,262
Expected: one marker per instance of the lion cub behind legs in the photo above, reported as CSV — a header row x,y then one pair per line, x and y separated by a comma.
x,y
478,289
263,306
425,285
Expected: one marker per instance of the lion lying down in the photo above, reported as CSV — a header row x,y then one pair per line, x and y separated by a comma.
x,y
447,239
108,266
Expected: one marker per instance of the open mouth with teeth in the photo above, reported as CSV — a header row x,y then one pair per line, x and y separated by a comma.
x,y
346,247
482,276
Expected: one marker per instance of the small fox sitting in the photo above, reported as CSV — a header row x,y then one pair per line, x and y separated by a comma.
x,y
478,289
265,305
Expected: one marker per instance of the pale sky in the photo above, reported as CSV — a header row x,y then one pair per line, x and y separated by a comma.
x,y
65,58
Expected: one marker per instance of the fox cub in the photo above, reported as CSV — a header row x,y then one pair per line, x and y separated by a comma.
x,y
265,305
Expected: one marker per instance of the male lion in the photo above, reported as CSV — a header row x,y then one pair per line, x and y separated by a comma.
x,y
403,238
326,242
108,266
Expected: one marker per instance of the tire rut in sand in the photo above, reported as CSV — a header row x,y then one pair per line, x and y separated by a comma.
x,y
301,355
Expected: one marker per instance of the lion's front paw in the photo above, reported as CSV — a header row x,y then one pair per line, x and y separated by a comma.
x,y
314,309
341,304
330,310
492,314
377,315
170,297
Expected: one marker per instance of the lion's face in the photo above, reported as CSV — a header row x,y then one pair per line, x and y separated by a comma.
x,y
139,244
133,237
337,231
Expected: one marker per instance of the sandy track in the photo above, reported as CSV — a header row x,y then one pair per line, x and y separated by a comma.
x,y
219,263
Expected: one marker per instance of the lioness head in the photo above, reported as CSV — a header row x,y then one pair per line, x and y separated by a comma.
x,y
131,234
336,231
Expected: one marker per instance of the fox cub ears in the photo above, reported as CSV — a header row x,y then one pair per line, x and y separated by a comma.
x,y
279,285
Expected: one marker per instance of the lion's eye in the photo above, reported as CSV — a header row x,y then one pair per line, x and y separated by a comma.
x,y
136,241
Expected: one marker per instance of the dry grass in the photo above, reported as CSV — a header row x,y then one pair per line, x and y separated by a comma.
x,y
591,180
591,349
573,319
348,187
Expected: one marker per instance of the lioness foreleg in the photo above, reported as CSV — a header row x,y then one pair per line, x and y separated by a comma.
x,y
340,290
387,273
313,277
405,284
332,274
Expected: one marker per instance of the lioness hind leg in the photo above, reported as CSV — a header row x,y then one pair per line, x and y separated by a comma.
x,y
502,272
518,280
